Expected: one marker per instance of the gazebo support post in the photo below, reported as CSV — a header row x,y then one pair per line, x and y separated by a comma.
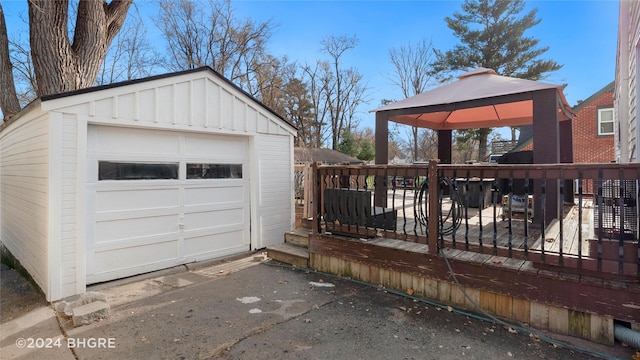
x,y
566,156
546,150
444,146
445,143
382,157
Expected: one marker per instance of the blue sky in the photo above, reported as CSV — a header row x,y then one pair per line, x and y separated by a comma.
x,y
581,35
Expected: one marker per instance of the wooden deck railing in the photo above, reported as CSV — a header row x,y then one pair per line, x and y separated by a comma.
x,y
303,186
491,209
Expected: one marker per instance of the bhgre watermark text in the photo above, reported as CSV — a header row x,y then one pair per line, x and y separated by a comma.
x,y
70,343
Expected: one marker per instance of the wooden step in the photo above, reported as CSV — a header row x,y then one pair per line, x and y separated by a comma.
x,y
289,254
298,237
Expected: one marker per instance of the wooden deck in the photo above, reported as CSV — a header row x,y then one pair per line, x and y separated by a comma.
x,y
575,234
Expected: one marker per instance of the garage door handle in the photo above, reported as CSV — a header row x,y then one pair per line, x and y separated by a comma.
x,y
181,223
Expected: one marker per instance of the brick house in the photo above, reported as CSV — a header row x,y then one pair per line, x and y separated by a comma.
x,y
593,128
592,131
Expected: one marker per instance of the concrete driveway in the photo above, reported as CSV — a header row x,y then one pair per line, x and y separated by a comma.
x,y
249,310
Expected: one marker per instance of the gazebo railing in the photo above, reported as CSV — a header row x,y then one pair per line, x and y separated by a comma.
x,y
490,209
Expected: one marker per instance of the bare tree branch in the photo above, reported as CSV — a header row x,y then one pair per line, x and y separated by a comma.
x,y
344,90
130,55
215,37
412,65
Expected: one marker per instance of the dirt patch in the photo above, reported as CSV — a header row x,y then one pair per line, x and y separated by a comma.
x,y
18,295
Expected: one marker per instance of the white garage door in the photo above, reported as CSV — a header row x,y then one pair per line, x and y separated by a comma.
x,y
157,199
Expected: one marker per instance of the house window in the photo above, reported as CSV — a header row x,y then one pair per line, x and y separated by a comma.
x,y
108,170
214,171
605,121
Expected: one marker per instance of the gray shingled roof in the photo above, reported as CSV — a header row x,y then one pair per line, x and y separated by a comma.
x,y
325,156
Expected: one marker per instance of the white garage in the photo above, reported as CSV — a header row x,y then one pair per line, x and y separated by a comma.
x,y
119,180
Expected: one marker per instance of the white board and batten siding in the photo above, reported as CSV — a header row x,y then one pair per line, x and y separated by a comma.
x,y
71,229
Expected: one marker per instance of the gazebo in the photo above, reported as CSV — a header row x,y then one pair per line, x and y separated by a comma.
x,y
480,99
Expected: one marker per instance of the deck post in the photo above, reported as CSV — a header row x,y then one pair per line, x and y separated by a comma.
x,y
309,190
433,206
382,157
315,196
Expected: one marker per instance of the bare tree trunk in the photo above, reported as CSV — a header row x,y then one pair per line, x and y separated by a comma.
x,y
61,66
483,135
9,103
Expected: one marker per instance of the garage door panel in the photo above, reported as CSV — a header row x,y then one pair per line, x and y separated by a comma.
x,y
139,241
214,231
220,244
135,227
137,213
149,257
213,207
214,218
218,193
117,200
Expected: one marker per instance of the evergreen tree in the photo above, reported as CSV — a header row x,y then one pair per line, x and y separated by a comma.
x,y
367,150
348,144
492,35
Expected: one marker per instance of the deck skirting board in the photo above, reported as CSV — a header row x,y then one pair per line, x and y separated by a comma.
x,y
510,289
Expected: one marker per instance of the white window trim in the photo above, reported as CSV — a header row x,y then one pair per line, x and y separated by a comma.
x,y
600,133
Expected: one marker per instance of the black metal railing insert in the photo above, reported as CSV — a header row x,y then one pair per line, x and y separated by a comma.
x,y
572,215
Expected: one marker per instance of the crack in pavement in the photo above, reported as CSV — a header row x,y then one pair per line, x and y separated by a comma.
x,y
223,350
